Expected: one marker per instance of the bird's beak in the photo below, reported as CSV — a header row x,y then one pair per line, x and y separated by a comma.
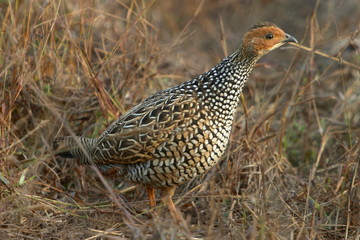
x,y
289,38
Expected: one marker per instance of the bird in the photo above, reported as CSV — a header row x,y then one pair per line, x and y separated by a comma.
x,y
180,132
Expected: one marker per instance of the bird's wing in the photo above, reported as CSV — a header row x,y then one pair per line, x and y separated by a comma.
x,y
137,135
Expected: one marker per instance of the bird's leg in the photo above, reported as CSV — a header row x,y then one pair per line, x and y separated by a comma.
x,y
166,196
151,195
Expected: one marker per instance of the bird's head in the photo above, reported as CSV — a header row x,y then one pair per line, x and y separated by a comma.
x,y
262,38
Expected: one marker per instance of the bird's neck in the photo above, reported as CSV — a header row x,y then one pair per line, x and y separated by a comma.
x,y
222,85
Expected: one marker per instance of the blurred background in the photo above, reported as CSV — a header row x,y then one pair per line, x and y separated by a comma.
x,y
73,67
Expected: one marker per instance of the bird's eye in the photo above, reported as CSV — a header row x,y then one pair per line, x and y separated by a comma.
x,y
269,36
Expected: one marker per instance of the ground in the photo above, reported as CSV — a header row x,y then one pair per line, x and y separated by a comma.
x,y
72,67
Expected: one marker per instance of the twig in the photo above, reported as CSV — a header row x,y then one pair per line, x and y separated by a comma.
x,y
336,59
42,124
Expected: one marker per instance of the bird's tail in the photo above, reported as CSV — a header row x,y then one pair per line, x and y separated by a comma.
x,y
74,147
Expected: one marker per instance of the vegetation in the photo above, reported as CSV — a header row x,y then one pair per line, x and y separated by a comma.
x,y
72,67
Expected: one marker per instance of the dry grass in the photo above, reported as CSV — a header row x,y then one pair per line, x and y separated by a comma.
x,y
72,67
